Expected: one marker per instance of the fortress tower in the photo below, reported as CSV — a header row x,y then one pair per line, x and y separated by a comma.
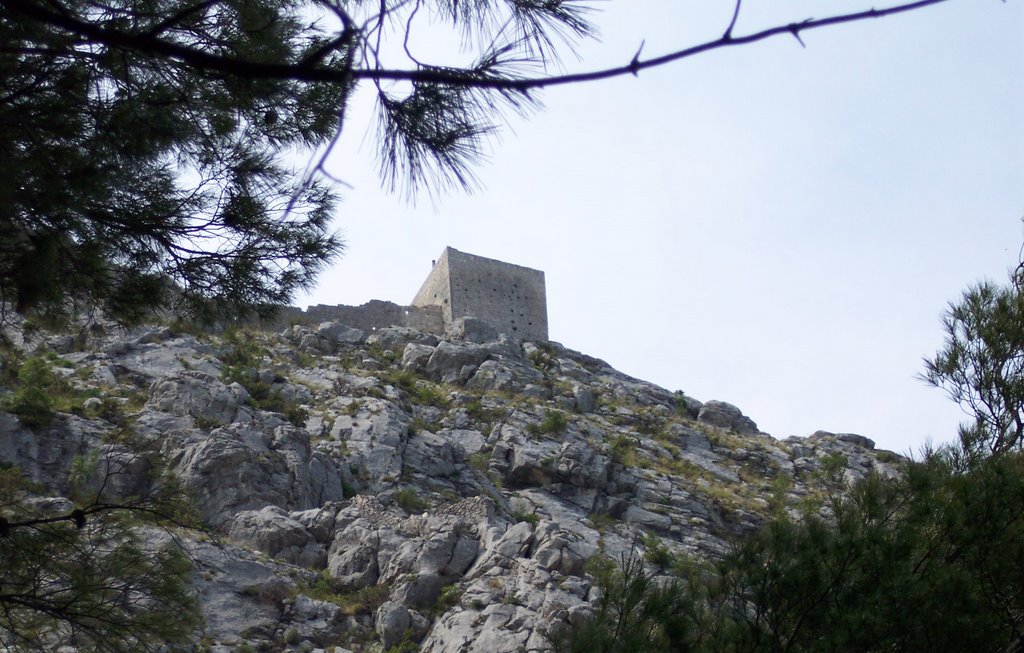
x,y
511,298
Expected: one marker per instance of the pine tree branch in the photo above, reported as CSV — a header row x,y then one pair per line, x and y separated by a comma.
x,y
150,43
80,516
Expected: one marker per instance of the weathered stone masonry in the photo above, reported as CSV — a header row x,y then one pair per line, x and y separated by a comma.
x,y
511,298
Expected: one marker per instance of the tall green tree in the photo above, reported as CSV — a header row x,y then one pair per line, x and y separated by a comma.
x,y
981,365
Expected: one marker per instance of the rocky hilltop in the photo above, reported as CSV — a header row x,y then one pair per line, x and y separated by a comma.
x,y
396,491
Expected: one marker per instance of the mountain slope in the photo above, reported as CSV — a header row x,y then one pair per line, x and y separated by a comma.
x,y
375,490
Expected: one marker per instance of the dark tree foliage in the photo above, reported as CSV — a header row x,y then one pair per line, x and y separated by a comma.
x,y
635,613
100,577
124,173
933,561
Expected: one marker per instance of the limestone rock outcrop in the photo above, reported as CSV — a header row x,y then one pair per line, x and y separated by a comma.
x,y
374,488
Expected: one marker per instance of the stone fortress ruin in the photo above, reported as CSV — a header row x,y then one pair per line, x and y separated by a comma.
x,y
511,298
464,295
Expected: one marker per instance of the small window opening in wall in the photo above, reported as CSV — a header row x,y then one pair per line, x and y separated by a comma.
x,y
515,328
407,311
530,323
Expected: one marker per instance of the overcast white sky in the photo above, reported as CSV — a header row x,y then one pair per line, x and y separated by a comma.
x,y
772,226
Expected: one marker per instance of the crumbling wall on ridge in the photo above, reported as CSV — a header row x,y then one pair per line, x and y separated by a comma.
x,y
369,317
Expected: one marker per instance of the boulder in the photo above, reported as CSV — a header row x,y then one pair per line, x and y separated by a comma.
x,y
376,437
726,416
393,620
45,455
585,402
429,455
272,531
396,338
319,622
504,375
243,467
119,475
472,329
197,394
455,363
689,438
352,557
416,355
340,334
859,440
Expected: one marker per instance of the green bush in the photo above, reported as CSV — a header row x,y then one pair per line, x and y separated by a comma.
x,y
475,410
481,460
403,379
418,424
33,400
241,364
405,646
33,406
656,553
524,516
242,350
409,501
364,600
554,421
92,573
430,395
624,450
680,401
831,468
648,423
448,599
601,521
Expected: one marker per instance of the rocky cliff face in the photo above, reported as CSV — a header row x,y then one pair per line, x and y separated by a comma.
x,y
377,489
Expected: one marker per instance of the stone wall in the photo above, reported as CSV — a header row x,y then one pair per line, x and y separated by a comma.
x,y
512,298
436,289
370,316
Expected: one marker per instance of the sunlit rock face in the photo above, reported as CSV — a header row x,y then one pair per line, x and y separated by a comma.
x,y
372,488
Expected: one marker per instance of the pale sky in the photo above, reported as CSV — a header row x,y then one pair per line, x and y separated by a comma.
x,y
773,226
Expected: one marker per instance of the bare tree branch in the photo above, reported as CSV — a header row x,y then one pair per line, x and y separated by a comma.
x,y
732,23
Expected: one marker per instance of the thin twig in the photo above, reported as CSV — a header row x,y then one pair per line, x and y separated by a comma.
x,y
732,23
